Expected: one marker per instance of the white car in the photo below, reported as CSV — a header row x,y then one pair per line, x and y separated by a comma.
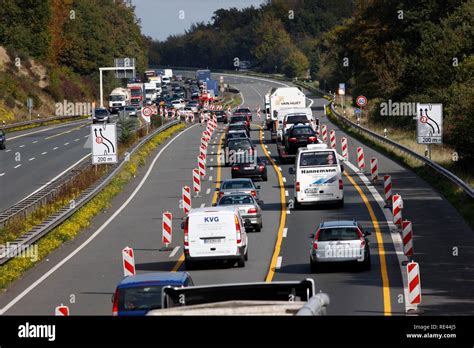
x,y
216,233
318,175
178,104
340,241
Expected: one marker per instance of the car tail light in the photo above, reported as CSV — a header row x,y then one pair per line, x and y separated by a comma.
x,y
221,194
237,229
312,139
292,140
341,185
297,186
186,234
362,243
115,303
235,168
252,211
316,237
261,167
253,193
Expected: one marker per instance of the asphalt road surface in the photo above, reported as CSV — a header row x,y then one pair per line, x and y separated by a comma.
x,y
83,273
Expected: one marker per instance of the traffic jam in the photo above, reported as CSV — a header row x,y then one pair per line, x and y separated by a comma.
x,y
217,233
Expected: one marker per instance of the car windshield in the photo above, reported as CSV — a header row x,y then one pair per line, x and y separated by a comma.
x,y
100,112
236,126
117,98
303,131
297,119
338,233
237,135
237,184
236,119
242,144
320,158
140,298
236,199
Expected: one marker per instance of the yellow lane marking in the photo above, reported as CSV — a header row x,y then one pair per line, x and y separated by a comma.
x,y
383,263
276,251
214,198
69,131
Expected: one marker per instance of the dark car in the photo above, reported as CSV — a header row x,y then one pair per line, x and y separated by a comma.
x,y
239,150
238,126
240,118
136,295
221,116
234,134
3,140
298,136
250,169
101,115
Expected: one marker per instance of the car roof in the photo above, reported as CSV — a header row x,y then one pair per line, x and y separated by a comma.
x,y
339,223
236,180
218,209
175,277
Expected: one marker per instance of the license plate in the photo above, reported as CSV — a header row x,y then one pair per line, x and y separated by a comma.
x,y
249,168
212,241
311,190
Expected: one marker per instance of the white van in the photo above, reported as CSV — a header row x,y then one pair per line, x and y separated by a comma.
x,y
215,233
318,175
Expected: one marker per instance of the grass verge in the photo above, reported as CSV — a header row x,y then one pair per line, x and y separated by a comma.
x,y
456,196
45,123
16,267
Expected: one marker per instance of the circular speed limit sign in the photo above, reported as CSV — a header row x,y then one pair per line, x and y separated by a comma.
x,y
361,101
147,112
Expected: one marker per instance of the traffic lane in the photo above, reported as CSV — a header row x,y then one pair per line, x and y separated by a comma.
x,y
29,168
261,244
93,273
296,246
442,241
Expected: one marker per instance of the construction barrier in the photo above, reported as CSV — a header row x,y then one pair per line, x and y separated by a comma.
x,y
414,283
407,237
128,259
167,228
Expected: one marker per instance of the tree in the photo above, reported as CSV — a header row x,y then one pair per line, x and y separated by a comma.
x,y
296,64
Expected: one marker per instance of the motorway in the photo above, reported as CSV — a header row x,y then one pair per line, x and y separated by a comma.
x,y
83,273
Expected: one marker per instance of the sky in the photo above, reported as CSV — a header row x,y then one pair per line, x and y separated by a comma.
x,y
161,18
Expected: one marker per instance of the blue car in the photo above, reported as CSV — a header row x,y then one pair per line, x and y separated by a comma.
x,y
136,295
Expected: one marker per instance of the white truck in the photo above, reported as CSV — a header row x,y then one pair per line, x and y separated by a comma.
x,y
150,91
157,81
284,97
119,98
268,117
169,73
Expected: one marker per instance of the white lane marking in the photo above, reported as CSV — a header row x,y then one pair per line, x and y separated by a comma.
x,y
208,191
7,150
50,128
288,212
203,205
175,250
31,159
57,176
212,168
95,234
44,153
213,146
86,136
34,142
210,178
2,174
279,168
284,179
269,152
286,193
18,165
22,146
65,144
212,159
76,139
55,148
278,264
285,232
266,146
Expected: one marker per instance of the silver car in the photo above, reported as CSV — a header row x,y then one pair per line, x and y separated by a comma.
x,y
249,207
244,185
340,241
131,111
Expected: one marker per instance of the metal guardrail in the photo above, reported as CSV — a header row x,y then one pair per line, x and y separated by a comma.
x,y
435,166
39,120
24,242
316,305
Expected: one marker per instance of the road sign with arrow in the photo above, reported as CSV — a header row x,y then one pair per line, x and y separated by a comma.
x,y
104,144
429,123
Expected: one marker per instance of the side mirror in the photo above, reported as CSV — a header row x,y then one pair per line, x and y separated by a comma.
x,y
342,168
292,170
260,202
367,233
182,225
258,187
